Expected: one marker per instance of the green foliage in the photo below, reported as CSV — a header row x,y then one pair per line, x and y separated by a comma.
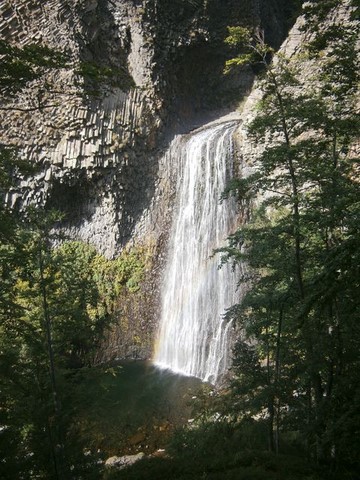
x,y
183,6
21,65
94,71
298,356
10,166
121,275
53,310
316,11
238,36
253,49
220,451
55,305
94,75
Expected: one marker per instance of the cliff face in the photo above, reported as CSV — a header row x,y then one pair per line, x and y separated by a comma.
x,y
138,72
85,144
295,48
95,141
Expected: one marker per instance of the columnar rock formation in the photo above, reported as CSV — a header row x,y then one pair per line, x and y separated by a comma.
x,y
138,71
84,144
96,150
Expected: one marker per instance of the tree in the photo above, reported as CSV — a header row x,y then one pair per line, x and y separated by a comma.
x,y
21,66
303,235
51,320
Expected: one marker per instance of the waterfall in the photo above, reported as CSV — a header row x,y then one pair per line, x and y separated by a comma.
x,y
193,336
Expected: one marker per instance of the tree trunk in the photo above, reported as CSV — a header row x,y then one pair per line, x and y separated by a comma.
x,y
277,379
54,442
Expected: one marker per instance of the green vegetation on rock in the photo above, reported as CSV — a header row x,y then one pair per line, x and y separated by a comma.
x,y
292,408
55,306
21,65
95,76
296,363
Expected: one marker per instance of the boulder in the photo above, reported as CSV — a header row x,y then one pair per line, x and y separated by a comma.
x,y
125,461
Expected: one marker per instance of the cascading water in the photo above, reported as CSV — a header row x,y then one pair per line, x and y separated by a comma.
x,y
193,337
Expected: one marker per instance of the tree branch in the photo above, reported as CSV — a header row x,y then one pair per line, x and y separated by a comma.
x,y
30,109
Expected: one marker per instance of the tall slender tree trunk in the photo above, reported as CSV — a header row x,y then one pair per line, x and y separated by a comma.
x,y
277,380
56,443
270,403
294,187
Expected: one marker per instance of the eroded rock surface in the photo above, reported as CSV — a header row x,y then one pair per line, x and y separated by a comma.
x,y
98,141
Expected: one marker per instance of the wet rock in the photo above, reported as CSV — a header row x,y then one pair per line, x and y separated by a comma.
x,y
99,157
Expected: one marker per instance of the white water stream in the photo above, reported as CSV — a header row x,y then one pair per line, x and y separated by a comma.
x,y
193,337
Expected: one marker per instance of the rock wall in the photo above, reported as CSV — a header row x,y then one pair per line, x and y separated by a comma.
x,y
97,155
294,47
85,146
98,141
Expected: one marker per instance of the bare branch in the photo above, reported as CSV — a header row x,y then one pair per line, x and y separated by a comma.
x,y
29,109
